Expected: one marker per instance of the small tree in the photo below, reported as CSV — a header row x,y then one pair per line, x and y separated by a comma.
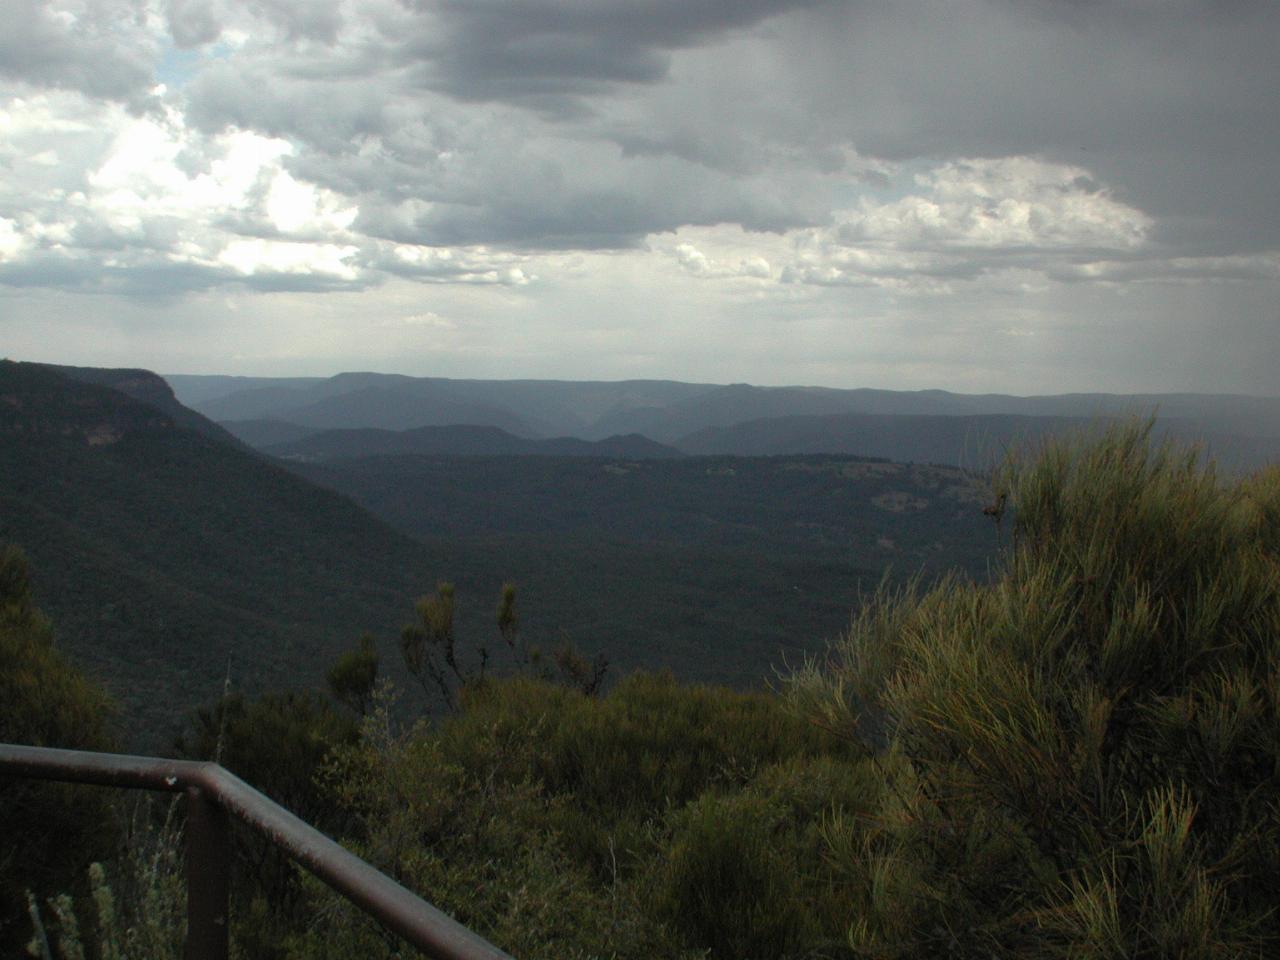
x,y
579,673
354,676
509,621
429,646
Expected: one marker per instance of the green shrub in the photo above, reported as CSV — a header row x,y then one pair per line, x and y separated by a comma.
x,y
650,744
278,743
623,761
747,873
479,841
52,831
565,825
1082,755
731,884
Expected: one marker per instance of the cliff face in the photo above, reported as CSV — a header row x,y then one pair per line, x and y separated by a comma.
x,y
40,402
153,390
142,385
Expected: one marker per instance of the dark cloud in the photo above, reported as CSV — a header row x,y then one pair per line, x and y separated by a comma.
x,y
144,278
192,22
101,50
149,277
327,115
1170,104
512,49
1169,112
550,202
318,20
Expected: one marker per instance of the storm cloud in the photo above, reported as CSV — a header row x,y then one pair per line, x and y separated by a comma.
x,y
769,173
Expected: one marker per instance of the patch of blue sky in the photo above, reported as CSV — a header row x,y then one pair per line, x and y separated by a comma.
x,y
177,66
900,183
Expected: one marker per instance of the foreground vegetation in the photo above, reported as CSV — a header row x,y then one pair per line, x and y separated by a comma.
x,y
1080,758
1077,758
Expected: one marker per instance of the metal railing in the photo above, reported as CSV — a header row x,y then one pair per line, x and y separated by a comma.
x,y
213,793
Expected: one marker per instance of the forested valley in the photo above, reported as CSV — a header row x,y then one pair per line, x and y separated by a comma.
x,y
1050,730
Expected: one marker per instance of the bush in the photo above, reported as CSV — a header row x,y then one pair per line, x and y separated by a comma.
x,y
546,818
278,743
650,744
52,831
479,840
747,873
1081,754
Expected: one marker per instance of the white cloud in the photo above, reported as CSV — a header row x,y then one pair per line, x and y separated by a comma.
x,y
1229,269
140,192
692,259
427,318
256,256
973,219
11,241
737,255
469,265
300,208
1010,225
1005,203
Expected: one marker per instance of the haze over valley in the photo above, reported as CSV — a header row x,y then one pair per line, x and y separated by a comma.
x,y
359,414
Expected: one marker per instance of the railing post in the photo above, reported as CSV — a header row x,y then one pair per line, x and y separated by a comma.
x,y
208,878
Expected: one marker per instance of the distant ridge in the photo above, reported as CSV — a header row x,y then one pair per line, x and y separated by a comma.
x,y
379,407
1243,430
164,553
554,407
266,433
40,404
460,440
974,442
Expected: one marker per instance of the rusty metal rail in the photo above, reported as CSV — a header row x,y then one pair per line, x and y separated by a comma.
x,y
213,793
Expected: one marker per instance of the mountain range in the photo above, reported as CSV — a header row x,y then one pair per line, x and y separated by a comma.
x,y
456,440
931,426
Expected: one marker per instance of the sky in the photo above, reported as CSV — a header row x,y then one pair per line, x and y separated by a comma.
x,y
1021,196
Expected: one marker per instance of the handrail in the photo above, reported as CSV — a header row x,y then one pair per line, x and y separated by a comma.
x,y
212,792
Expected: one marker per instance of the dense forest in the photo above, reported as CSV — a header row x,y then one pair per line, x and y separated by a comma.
x,y
1076,756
